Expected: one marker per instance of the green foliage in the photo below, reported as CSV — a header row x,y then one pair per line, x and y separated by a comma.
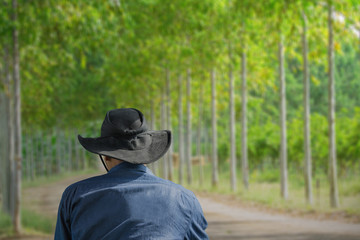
x,y
82,58
270,176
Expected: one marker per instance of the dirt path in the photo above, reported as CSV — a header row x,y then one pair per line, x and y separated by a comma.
x,y
229,222
225,221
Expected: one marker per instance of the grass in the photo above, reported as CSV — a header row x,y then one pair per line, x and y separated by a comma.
x,y
264,189
5,224
32,223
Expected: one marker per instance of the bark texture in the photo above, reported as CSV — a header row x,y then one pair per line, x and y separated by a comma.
x,y
307,143
215,171
188,128
283,145
17,129
244,147
169,127
181,136
334,195
232,126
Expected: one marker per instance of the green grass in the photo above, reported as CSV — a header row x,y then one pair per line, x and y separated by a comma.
x,y
32,223
264,189
36,222
5,224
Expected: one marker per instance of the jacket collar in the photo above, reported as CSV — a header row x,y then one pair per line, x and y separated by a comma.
x,y
126,166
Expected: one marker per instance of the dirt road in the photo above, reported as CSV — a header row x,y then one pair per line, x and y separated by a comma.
x,y
225,221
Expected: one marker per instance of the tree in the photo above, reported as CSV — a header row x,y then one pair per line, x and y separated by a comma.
x,y
334,195
199,137
283,146
169,126
244,130
164,126
233,179
188,127
215,170
307,142
181,136
17,129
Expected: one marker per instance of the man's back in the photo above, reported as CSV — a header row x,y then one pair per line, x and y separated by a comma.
x,y
129,203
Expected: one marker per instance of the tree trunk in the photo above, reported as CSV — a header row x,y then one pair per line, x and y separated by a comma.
x,y
28,157
244,147
5,164
188,128
283,147
9,147
32,159
215,175
58,152
18,143
49,155
163,125
69,153
77,160
44,151
232,125
334,196
181,136
307,141
154,165
169,127
199,135
83,157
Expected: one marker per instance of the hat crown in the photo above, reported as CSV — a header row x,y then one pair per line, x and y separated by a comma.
x,y
123,122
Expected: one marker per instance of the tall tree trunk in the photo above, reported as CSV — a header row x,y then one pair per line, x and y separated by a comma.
x,y
188,128
154,165
232,125
5,163
9,166
244,147
307,141
283,147
69,153
44,151
199,135
32,160
50,155
83,157
163,124
58,153
77,160
215,170
18,143
40,156
28,157
3,151
334,196
181,136
169,127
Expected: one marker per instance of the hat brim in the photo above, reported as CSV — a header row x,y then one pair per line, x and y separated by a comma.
x,y
112,147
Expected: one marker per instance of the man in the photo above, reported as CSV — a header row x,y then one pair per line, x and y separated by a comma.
x,y
128,202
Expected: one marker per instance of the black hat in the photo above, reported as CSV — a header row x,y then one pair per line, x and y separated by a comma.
x,y
124,136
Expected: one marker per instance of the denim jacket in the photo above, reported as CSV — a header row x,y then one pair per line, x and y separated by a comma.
x,y
129,202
